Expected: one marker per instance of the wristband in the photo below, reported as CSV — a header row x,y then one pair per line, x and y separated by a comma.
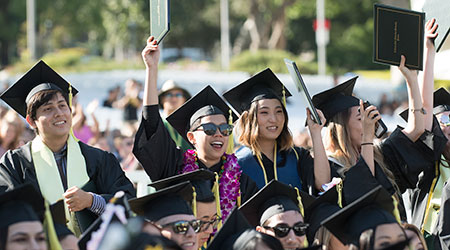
x,y
421,110
367,143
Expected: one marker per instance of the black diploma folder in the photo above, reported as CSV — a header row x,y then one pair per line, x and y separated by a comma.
x,y
398,32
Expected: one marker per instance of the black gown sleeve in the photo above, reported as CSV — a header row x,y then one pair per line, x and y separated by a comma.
x,y
305,169
248,188
442,237
154,148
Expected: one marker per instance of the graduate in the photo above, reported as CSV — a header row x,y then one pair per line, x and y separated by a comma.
x,y
203,121
368,223
171,96
238,234
21,213
168,212
268,150
207,207
55,162
278,210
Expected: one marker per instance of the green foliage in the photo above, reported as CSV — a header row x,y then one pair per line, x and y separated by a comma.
x,y
254,62
65,57
442,83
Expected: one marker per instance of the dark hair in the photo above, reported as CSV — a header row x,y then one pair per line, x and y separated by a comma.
x,y
3,237
41,98
262,238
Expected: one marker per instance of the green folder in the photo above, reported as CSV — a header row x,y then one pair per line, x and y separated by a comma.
x,y
398,32
159,19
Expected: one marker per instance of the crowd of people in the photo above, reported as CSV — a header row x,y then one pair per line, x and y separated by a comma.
x,y
347,186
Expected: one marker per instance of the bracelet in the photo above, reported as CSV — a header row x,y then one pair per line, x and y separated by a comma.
x,y
367,143
421,110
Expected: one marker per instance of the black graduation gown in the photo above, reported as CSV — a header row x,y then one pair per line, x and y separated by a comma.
x,y
161,158
432,145
442,236
105,175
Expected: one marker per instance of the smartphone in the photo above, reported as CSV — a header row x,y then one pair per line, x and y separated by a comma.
x,y
380,127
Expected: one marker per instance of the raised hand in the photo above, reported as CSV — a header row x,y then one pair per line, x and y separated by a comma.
x,y
430,33
312,126
150,54
410,75
369,117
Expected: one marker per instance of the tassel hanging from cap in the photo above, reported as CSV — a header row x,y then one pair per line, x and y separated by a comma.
x,y
230,148
238,201
194,202
215,191
339,192
396,212
300,204
52,238
284,96
70,106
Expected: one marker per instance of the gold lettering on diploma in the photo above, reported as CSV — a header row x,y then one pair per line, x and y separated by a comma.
x,y
396,36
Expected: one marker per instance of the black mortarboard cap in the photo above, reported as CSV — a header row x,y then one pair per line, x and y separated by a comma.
x,y
336,99
324,206
21,204
165,202
373,209
441,103
201,179
439,9
264,85
233,227
272,199
207,102
39,77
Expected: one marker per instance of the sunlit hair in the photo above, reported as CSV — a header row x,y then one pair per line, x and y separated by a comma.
x,y
248,131
413,228
338,145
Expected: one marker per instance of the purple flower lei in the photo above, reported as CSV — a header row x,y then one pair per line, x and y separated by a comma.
x,y
229,177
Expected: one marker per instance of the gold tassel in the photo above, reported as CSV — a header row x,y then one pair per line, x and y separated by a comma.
x,y
70,105
52,238
284,97
396,212
217,197
194,202
230,148
238,202
300,204
339,191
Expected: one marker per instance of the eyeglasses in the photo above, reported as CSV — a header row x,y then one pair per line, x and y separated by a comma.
x,y
205,224
211,128
445,120
182,226
177,95
282,230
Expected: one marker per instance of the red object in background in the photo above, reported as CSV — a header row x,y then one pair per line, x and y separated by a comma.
x,y
327,24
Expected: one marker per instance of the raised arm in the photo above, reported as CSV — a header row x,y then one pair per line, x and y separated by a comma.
x,y
426,84
322,171
369,117
150,56
416,116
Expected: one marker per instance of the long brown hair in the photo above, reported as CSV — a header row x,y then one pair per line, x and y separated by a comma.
x,y
248,130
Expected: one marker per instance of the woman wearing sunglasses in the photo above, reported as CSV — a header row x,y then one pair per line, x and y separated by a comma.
x,y
277,210
203,122
268,150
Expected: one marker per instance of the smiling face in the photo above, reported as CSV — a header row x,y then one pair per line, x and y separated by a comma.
x,y
290,241
387,235
206,211
53,119
187,241
271,118
209,147
26,235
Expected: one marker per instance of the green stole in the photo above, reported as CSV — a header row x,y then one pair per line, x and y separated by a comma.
x,y
48,177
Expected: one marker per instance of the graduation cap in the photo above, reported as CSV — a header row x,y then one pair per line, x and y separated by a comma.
x,y
264,85
323,207
273,199
201,179
207,102
165,202
40,77
21,204
373,209
439,9
233,227
336,99
441,103
170,85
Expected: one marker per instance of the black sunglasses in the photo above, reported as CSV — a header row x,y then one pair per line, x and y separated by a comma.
x,y
282,230
211,128
205,224
182,226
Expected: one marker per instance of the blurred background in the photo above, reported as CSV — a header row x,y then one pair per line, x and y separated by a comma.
x,y
96,46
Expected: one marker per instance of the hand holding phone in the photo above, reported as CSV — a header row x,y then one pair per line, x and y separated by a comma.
x,y
380,127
